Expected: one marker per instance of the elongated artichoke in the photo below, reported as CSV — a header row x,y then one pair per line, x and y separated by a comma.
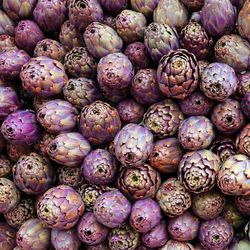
x,y
243,21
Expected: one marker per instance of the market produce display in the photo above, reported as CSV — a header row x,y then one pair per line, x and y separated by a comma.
x,y
124,125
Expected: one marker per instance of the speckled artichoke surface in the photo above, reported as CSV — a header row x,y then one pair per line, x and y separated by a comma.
x,y
163,118
43,76
245,105
196,132
177,74
133,144
218,81
243,21
198,170
173,198
99,122
243,140
60,207
7,25
7,237
112,209
233,175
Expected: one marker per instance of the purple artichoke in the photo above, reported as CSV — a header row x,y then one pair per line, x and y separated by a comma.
x,y
242,204
202,66
7,43
193,5
41,145
144,6
245,105
174,245
38,102
243,84
112,209
243,140
109,20
114,7
14,151
5,167
7,26
243,21
7,237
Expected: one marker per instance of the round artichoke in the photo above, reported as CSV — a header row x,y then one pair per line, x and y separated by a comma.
x,y
146,7
60,207
99,122
173,198
7,237
243,21
193,5
243,140
114,7
133,144
174,245
7,26
41,145
15,151
112,209
178,74
245,105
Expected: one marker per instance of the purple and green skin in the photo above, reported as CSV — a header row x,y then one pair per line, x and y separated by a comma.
x,y
242,204
123,238
65,239
33,234
43,76
29,166
60,207
19,9
160,39
11,63
198,170
145,215
146,7
7,26
133,144
156,237
243,21
9,101
50,15
138,55
21,127
112,209
115,71
196,132
114,7
218,17
245,105
243,140
101,40
99,167
57,116
7,237
90,231
144,87
7,43
68,149
184,227
233,50
130,25
243,84
82,13
130,111
174,245
215,234
232,177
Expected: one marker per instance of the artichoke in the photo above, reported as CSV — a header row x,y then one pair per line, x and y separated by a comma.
x,y
174,245
218,17
90,231
178,74
109,20
242,204
218,81
196,132
193,5
33,174
5,167
173,198
38,102
99,122
160,39
41,145
130,25
243,140
146,7
245,105
101,246
21,127
112,209
68,149
202,66
243,21
215,234
7,43
133,144
33,234
14,151
7,26
243,84
43,76
198,170
7,236
115,71
233,175
163,118
102,40
60,207
114,7
234,51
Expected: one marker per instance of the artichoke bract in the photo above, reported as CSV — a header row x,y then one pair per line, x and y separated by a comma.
x,y
90,231
114,7
43,76
84,12
245,105
33,234
160,39
243,21
146,7
60,207
218,81
215,234
102,40
233,175
218,17
173,198
243,140
133,144
99,122
115,71
112,209
68,149
178,74
21,127
7,25
7,236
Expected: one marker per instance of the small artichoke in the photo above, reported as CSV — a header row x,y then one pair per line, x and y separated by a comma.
x,y
7,236
243,21
243,140
193,5
242,204
245,105
7,26
41,145
243,84
146,7
177,74
114,7
15,151
5,167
